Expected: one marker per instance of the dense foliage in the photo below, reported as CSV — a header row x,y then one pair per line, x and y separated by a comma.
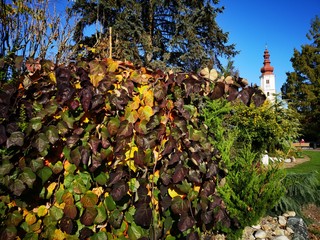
x,y
302,87
181,34
103,148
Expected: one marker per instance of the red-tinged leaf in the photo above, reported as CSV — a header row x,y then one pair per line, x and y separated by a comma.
x,y
179,173
119,190
179,205
90,199
113,126
15,139
85,233
185,222
141,127
139,157
143,215
94,144
70,211
75,156
67,198
86,97
125,129
87,218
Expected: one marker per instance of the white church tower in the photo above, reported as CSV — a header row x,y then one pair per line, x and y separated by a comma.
x,y
267,78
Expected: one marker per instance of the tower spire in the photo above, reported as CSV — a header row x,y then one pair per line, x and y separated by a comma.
x,y
267,68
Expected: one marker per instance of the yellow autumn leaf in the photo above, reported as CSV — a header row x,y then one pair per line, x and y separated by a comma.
x,y
52,77
119,77
135,103
196,188
173,193
59,235
77,85
98,191
112,65
145,112
42,211
96,78
31,218
148,98
131,165
51,188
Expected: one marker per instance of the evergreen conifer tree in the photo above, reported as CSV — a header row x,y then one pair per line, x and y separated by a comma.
x,y
160,33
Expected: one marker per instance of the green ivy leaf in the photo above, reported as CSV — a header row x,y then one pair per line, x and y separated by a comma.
x,y
52,134
36,123
41,143
36,164
99,236
14,218
28,177
56,213
135,231
102,214
44,173
57,167
101,179
17,187
110,203
5,168
15,139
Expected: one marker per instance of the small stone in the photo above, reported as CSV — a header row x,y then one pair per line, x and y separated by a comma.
x,y
291,213
287,160
299,227
289,230
282,221
293,159
256,226
260,234
281,238
266,227
279,232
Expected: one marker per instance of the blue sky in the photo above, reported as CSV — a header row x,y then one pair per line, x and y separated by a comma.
x,y
281,24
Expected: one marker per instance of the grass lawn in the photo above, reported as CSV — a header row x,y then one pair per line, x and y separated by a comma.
x,y
309,166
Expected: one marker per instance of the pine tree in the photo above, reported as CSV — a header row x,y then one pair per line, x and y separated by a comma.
x,y
302,88
160,33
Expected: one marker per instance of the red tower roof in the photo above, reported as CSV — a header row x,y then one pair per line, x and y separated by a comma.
x,y
267,68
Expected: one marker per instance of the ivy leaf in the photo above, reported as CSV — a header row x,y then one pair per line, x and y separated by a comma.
x,y
113,126
52,134
3,135
87,218
143,215
179,173
66,225
17,187
15,139
102,214
41,143
145,112
185,222
119,190
28,177
179,205
110,203
14,218
5,168
70,211
89,199
44,173
36,123
56,213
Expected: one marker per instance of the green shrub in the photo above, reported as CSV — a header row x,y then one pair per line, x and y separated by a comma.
x,y
249,188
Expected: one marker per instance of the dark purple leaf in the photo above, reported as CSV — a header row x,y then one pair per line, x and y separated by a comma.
x,y
17,187
85,97
212,170
143,215
185,222
113,126
175,157
119,190
179,205
194,176
72,140
85,233
207,189
75,156
125,129
96,101
66,225
94,143
115,176
139,156
193,236
41,142
179,173
3,135
170,145
207,217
